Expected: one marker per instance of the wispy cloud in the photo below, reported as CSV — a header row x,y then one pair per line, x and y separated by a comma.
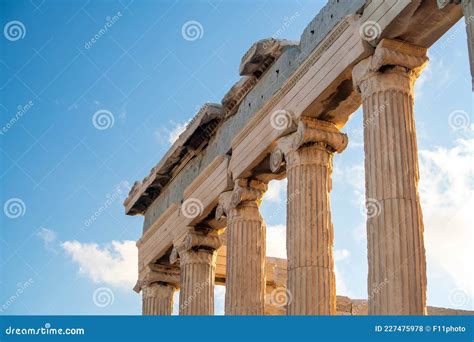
x,y
276,241
114,264
436,74
170,135
276,191
48,237
447,199
175,132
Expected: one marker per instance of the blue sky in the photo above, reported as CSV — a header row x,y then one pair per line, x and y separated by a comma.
x,y
71,239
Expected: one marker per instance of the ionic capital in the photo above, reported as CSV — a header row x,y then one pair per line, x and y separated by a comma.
x,y
310,131
158,291
394,59
158,274
245,191
224,205
196,247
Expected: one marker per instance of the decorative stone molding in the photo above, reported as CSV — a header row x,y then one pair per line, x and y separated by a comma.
x,y
236,94
158,274
391,57
390,52
158,287
194,241
224,205
310,131
245,190
158,291
157,299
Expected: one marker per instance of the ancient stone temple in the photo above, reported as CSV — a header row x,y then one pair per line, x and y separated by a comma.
x,y
283,119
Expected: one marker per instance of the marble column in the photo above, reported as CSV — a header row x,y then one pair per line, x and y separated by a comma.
x,y
245,266
197,259
396,252
308,157
157,299
158,286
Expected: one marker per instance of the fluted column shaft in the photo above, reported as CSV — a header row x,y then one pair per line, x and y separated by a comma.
x,y
245,283
310,236
245,265
197,254
396,253
198,272
157,299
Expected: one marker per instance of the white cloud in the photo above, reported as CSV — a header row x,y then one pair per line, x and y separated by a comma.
x,y
170,135
447,199
276,241
175,311
436,74
49,238
341,254
219,300
114,264
341,287
174,133
354,176
276,191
